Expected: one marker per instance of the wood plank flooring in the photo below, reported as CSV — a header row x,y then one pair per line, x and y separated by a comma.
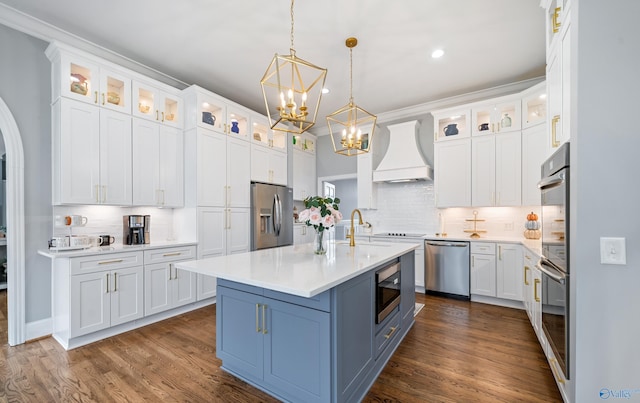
x,y
456,352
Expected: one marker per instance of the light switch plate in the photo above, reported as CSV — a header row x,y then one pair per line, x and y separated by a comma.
x,y
613,251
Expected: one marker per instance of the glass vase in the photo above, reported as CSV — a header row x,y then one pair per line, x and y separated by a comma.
x,y
319,244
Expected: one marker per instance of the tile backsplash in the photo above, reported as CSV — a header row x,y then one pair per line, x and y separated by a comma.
x,y
410,207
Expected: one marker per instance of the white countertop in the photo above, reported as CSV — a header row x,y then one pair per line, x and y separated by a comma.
x,y
115,248
295,269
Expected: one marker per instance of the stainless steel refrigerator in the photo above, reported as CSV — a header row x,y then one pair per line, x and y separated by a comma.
x,y
271,216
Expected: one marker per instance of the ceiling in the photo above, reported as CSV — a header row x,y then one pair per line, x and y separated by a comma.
x,y
226,46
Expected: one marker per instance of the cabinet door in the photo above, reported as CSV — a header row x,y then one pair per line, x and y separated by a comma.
x,y
366,188
260,170
509,272
508,169
146,162
238,169
238,228
453,173
115,91
89,303
157,292
483,171
212,169
115,158
239,343
297,351
171,167
183,286
146,102
304,174
534,152
127,302
206,287
79,79
278,165
211,232
483,275
419,267
78,153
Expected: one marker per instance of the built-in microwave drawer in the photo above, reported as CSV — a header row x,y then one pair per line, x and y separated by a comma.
x,y
483,248
111,261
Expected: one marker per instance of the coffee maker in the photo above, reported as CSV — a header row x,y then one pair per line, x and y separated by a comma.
x,y
135,229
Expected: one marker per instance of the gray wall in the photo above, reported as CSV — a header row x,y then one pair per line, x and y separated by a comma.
x,y
25,86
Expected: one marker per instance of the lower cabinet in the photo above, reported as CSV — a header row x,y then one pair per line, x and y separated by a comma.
x,y
165,286
496,270
103,299
303,234
532,296
286,346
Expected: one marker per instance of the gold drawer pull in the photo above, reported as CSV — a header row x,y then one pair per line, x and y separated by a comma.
x,y
258,329
535,290
172,254
555,371
393,329
111,261
526,282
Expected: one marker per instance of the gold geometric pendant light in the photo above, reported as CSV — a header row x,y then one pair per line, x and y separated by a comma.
x,y
351,127
292,90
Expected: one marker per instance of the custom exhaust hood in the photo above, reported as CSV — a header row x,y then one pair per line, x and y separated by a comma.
x,y
403,161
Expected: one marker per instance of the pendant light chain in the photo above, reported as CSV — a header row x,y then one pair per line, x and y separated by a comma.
x,y
292,48
351,75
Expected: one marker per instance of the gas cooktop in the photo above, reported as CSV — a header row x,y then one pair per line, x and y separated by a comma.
x,y
399,235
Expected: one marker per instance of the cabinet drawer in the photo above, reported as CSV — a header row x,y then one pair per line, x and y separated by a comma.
x,y
485,248
91,264
387,333
169,254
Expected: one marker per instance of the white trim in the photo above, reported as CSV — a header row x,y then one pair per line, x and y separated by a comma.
x,y
39,329
15,226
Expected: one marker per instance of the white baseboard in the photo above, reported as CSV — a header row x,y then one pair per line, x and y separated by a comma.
x,y
38,329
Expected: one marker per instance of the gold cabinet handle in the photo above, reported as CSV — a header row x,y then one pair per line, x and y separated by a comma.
x,y
111,261
264,316
555,371
258,329
473,261
554,137
104,194
555,23
499,252
535,289
170,266
393,329
107,291
97,187
163,116
102,98
115,282
526,282
172,254
95,97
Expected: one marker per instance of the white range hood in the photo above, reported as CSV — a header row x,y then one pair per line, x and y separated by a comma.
x,y
403,161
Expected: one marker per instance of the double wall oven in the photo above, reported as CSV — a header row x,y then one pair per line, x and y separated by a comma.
x,y
554,263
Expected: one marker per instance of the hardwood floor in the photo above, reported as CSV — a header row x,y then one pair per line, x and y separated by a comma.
x,y
456,352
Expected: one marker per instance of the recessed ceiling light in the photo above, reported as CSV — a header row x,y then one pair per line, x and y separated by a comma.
x,y
325,90
437,53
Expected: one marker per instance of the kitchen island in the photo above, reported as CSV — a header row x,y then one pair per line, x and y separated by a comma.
x,y
302,327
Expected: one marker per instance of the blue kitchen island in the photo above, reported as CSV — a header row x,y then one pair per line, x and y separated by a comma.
x,y
302,327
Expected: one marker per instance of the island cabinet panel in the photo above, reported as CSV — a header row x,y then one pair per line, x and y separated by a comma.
x,y
283,346
354,334
407,284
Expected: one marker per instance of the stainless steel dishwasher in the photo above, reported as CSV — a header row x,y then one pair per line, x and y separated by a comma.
x,y
447,268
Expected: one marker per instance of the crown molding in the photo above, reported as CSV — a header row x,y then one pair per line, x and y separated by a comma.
x,y
411,112
32,26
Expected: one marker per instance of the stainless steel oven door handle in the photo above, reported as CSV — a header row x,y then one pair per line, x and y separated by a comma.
x,y
551,271
551,182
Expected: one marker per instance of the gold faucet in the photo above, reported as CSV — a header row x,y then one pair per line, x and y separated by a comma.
x,y
351,235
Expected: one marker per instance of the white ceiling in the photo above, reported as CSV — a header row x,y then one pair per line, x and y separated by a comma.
x,y
225,46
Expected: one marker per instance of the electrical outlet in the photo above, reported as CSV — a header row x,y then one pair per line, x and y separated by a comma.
x,y
508,226
613,251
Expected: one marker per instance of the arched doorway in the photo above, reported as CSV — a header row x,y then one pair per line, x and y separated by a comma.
x,y
15,225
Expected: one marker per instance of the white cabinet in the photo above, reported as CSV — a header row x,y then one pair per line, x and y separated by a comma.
x,y
483,269
451,124
496,170
165,286
367,190
262,134
558,74
303,234
501,116
509,271
91,155
212,112
268,165
534,153
158,169
453,173
153,103
534,106
304,174
532,295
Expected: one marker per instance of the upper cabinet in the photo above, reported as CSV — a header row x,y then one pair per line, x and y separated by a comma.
x,y
81,79
210,111
155,104
534,106
452,124
261,134
500,116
